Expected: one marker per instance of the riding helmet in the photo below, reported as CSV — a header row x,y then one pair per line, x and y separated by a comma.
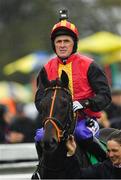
x,y
64,27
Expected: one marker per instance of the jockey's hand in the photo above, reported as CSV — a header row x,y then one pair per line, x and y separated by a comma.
x,y
77,106
71,146
90,122
80,105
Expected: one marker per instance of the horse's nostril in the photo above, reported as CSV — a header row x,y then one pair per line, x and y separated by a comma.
x,y
46,145
53,141
50,145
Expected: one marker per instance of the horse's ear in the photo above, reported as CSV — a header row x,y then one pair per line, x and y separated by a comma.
x,y
64,79
44,78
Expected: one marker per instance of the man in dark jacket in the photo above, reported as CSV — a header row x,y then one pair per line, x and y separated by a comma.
x,y
87,81
109,169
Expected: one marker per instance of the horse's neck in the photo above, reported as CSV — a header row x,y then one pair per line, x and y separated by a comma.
x,y
56,159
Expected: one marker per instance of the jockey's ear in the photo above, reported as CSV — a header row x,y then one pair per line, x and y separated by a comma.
x,y
44,78
64,79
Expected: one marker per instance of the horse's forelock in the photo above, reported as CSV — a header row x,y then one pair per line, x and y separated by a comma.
x,y
55,83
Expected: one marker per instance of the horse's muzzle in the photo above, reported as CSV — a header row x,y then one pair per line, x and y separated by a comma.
x,y
50,145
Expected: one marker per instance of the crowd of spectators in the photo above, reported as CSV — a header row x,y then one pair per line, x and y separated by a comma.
x,y
111,116
17,126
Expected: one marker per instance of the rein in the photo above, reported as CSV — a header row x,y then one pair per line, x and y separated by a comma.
x,y
56,123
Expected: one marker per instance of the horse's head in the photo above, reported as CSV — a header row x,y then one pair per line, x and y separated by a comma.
x,y
56,110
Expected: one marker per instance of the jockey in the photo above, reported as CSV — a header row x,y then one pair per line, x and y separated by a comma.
x,y
87,81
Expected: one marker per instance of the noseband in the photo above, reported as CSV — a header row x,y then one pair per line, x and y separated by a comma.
x,y
62,132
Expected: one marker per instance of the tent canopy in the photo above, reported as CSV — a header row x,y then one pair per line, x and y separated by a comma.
x,y
27,63
100,42
111,58
16,91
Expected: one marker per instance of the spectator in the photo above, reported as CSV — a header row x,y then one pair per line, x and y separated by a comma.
x,y
5,121
22,128
111,117
109,169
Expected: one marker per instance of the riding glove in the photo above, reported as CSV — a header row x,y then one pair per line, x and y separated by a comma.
x,y
80,105
77,105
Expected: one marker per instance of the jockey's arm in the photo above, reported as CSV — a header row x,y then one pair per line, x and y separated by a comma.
x,y
99,84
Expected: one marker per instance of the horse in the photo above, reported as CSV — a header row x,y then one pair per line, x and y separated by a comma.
x,y
59,122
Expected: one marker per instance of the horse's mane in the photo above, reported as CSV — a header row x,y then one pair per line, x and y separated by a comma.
x,y
56,82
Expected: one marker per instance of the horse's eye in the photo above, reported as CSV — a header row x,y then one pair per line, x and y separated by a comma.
x,y
43,105
41,108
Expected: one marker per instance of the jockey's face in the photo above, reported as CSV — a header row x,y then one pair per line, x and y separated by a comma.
x,y
64,46
114,152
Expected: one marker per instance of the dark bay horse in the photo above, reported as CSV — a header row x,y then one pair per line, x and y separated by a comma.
x,y
58,122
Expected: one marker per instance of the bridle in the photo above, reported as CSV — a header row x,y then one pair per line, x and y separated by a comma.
x,y
62,132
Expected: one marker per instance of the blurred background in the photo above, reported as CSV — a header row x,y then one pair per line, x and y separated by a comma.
x,y
25,27
25,30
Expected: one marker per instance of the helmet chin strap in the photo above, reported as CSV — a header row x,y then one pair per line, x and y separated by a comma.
x,y
65,59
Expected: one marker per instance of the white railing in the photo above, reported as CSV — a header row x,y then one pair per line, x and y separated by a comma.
x,y
17,159
20,151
